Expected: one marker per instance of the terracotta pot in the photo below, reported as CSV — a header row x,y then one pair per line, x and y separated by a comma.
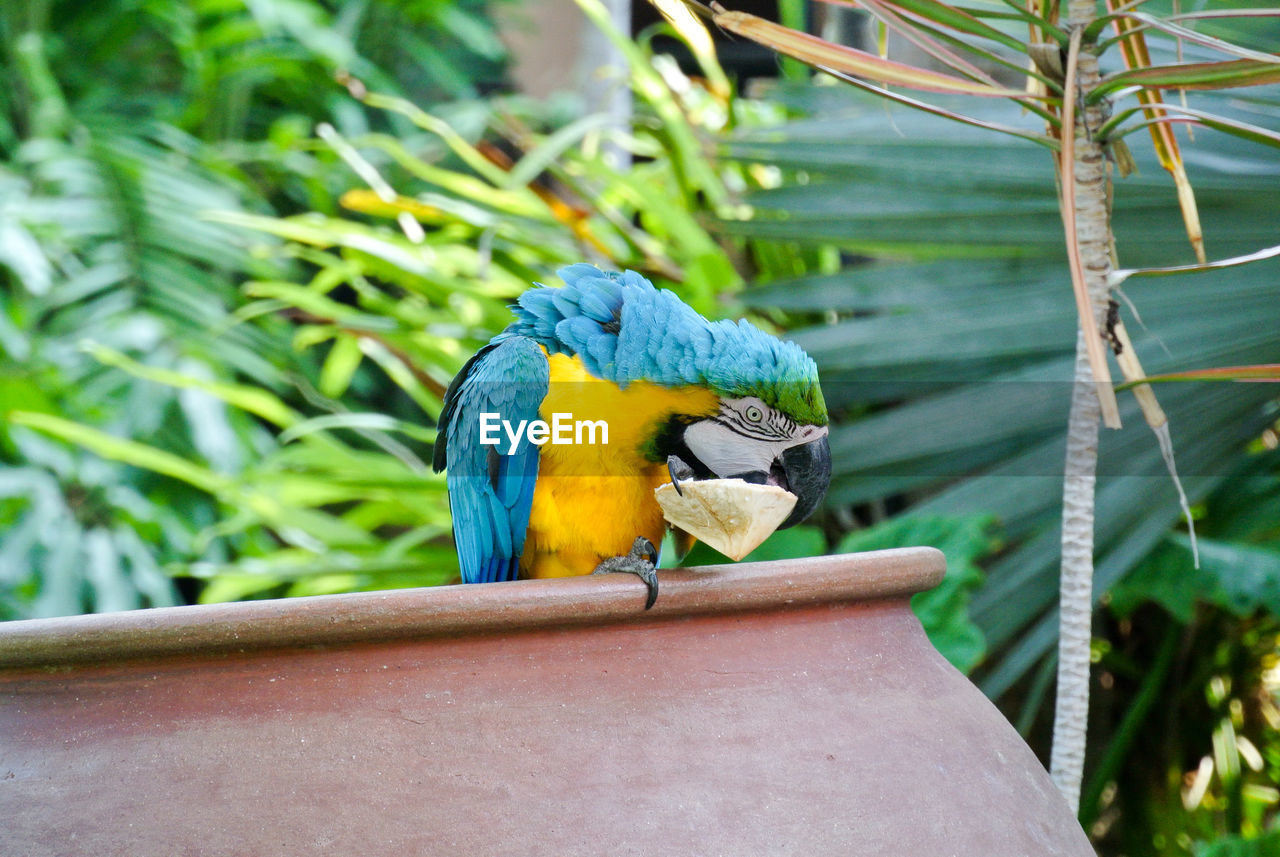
x,y
759,709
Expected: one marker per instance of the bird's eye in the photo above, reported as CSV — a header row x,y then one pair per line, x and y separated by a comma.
x,y
754,414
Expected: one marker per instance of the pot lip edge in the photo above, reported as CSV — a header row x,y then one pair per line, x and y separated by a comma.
x,y
465,609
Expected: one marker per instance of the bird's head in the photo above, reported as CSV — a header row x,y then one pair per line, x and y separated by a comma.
x,y
770,423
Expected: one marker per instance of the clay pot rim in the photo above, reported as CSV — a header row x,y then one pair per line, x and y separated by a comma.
x,y
368,617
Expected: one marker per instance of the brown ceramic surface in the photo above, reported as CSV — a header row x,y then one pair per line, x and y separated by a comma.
x,y
790,708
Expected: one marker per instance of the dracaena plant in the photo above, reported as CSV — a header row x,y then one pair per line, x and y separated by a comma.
x,y
1051,52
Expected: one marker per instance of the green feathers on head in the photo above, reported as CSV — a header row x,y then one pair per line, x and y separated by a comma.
x,y
746,361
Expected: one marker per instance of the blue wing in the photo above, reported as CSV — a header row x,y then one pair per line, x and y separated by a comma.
x,y
490,487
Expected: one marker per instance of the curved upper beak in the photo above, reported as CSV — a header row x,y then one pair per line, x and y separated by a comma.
x,y
713,450
807,469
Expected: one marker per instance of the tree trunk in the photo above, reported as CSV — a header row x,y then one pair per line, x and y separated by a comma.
x,y
1075,598
1076,589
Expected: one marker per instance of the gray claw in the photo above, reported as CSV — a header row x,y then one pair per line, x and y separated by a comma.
x,y
678,470
640,561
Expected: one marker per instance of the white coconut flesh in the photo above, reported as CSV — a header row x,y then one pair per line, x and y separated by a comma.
x,y
730,515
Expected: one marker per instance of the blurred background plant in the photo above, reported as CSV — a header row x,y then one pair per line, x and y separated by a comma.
x,y
209,407
170,440
120,124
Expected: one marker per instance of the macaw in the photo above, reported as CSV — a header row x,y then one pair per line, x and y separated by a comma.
x,y
678,397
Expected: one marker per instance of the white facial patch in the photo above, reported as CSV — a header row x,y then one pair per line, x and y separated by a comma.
x,y
747,436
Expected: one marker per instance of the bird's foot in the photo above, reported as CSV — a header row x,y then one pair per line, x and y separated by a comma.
x,y
641,561
678,470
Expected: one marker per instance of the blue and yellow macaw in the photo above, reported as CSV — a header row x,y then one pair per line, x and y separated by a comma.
x,y
719,399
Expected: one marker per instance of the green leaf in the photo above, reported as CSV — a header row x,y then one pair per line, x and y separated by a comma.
x,y
1207,75
1235,845
944,611
793,543
460,147
1236,576
956,19
1186,34
255,400
513,202
684,150
22,254
1244,130
403,375
340,365
538,159
236,586
128,451
362,421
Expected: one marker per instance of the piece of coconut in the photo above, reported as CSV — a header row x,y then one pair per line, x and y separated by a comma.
x,y
731,515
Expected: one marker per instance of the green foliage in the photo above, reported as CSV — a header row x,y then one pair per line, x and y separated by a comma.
x,y
103,240
383,304
121,126
91,534
1207,655
1188,745
1238,577
793,543
948,379
1239,556
1239,846
230,71
944,610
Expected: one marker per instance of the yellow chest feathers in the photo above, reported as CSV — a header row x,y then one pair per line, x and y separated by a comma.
x,y
594,497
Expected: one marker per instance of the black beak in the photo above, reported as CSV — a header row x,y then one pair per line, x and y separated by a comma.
x,y
807,469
